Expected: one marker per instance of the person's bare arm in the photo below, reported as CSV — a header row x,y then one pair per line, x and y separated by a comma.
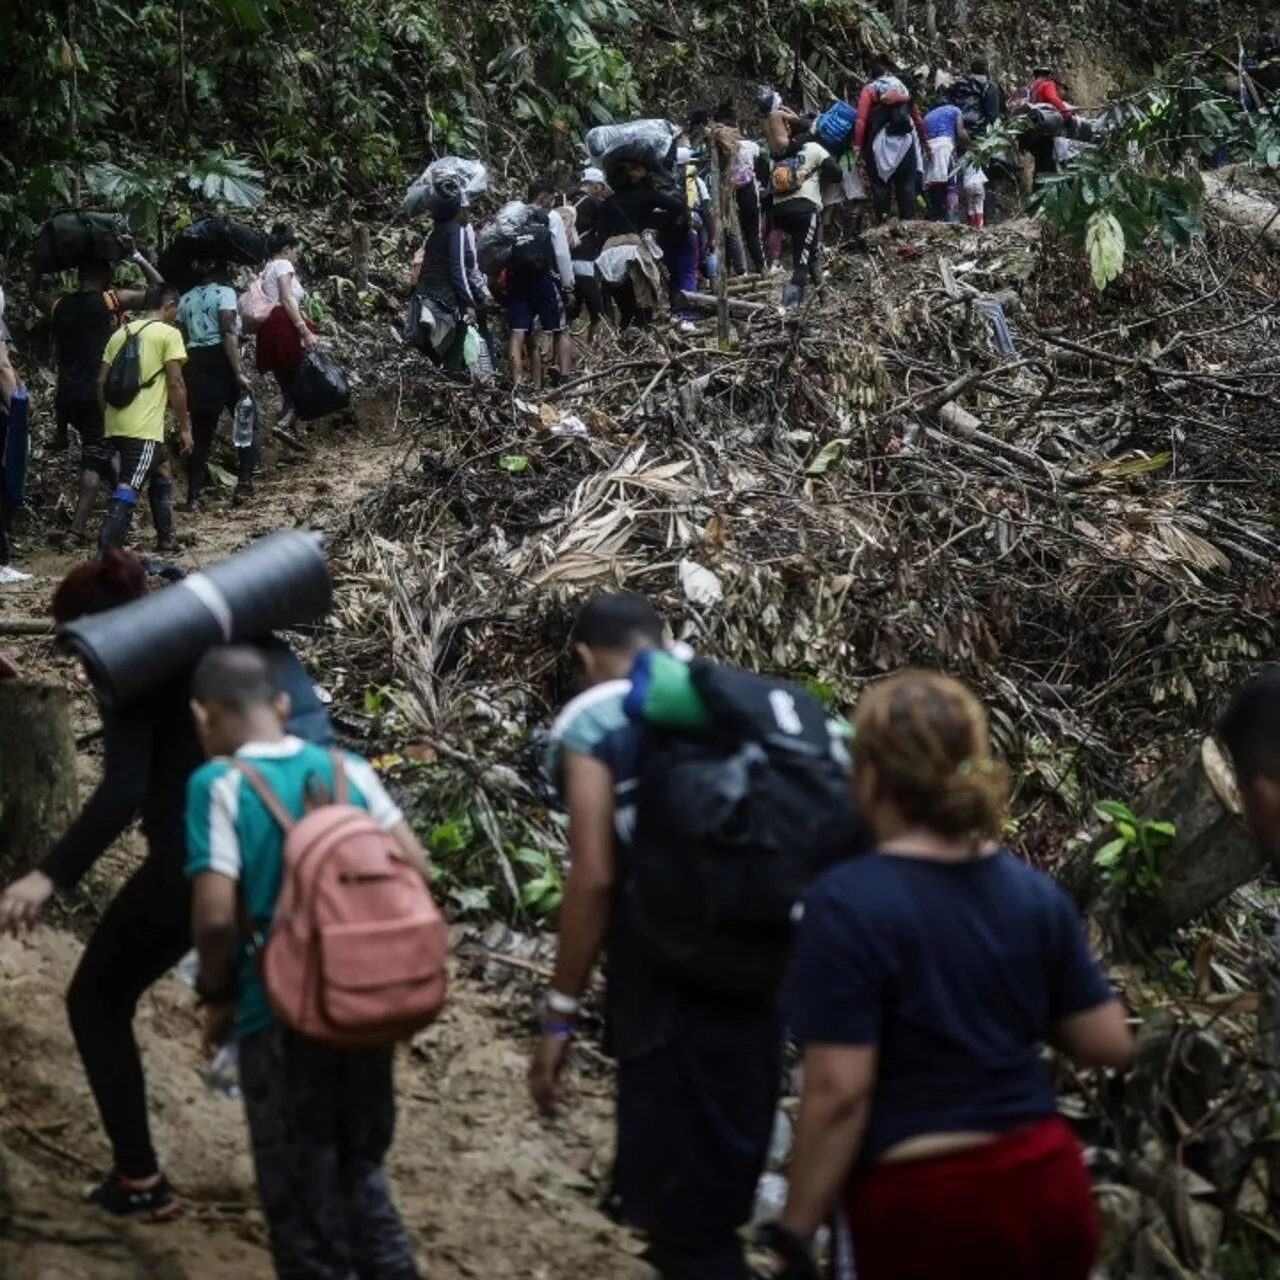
x,y
178,403
231,346
1096,1038
136,299
834,1106
214,928
588,893
962,136
285,284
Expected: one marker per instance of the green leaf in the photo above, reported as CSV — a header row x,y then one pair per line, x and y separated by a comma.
x,y
514,463
474,899
1114,809
1110,853
1104,240
1163,829
1127,830
829,455
447,837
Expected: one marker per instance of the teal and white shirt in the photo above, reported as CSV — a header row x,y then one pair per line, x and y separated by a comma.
x,y
199,313
230,831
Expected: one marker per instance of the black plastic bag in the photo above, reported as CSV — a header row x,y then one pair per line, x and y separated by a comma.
x,y
76,237
321,388
221,239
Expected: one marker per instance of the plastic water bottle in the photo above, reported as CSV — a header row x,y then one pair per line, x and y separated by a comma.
x,y
246,422
223,1075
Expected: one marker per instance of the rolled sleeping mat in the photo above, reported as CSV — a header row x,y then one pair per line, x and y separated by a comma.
x,y
280,581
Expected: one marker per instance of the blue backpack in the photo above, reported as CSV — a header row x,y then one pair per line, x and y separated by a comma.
x,y
834,127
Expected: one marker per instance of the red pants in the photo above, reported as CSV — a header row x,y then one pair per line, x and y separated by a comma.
x,y
1020,1208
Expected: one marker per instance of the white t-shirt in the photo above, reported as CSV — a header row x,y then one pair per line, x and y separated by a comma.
x,y
271,274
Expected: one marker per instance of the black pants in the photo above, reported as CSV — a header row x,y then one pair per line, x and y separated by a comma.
x,y
85,418
937,196
6,514
801,227
1045,153
631,315
694,1122
321,1121
204,428
900,184
143,933
588,293
748,198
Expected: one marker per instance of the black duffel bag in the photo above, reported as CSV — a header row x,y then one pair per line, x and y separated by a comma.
x,y
79,237
321,387
221,239
280,581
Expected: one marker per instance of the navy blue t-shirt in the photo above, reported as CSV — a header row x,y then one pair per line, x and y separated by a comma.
x,y
956,972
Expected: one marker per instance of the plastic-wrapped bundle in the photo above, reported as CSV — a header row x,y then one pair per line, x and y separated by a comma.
x,y
496,241
219,239
1046,121
651,143
280,581
76,237
472,177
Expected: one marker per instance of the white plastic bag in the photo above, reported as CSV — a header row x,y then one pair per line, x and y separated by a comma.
x,y
646,142
472,177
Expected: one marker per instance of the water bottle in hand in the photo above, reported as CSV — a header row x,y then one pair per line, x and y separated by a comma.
x,y
246,422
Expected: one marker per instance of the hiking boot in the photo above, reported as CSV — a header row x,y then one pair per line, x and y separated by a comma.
x,y
169,546
193,506
243,494
151,1198
791,297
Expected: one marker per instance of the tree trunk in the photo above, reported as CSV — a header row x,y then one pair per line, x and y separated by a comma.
x,y
360,256
900,15
1211,856
931,20
38,791
1249,212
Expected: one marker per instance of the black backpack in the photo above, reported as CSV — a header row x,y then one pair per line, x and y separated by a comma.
x,y
124,377
732,826
898,121
532,251
969,94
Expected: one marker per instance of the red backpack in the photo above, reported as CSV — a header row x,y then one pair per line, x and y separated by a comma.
x,y
357,952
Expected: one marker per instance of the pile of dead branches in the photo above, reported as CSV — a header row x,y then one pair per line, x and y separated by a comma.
x,y
955,455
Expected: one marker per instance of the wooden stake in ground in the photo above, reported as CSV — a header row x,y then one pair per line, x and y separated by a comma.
x,y
38,792
720,187
360,256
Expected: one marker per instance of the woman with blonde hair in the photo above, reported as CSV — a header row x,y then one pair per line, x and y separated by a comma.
x,y
928,975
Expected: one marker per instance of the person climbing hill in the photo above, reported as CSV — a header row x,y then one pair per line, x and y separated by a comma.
x,y
890,140
286,335
82,323
148,355
149,751
214,376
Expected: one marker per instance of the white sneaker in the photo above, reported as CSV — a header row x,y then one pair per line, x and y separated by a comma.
x,y
686,326
9,574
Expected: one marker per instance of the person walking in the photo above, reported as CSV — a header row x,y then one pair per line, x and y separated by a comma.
x,y
214,377
149,750
82,322
797,170
698,1072
134,432
321,1118
948,139
890,141
928,977
286,335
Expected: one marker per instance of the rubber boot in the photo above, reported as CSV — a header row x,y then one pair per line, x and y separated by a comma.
x,y
119,518
160,497
791,296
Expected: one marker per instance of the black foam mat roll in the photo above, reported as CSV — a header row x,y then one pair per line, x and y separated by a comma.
x,y
280,581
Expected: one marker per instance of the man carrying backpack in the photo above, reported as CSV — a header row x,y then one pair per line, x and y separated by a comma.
x,y
141,377
890,141
540,283
691,1017
1042,143
82,323
321,1114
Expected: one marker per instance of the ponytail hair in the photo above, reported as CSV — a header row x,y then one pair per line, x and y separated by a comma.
x,y
926,737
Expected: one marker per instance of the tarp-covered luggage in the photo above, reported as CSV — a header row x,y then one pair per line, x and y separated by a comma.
x,y
78,237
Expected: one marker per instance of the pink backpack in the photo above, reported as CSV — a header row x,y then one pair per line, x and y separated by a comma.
x,y
254,306
357,952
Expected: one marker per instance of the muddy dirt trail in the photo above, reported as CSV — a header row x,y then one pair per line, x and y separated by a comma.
x,y
486,1189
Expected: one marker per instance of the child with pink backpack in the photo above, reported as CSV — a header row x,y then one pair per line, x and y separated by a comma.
x,y
320,948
